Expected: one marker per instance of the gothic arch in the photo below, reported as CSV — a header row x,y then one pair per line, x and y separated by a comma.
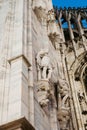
x,y
75,65
83,78
79,66
78,89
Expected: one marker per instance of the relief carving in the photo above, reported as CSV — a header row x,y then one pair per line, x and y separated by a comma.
x,y
43,92
64,107
64,93
44,71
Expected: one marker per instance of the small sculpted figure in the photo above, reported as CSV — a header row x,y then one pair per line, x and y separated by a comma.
x,y
64,93
43,65
64,105
51,23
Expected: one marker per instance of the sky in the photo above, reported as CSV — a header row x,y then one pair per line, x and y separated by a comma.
x,y
70,3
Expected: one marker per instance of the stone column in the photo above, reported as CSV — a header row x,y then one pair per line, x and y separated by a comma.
x,y
75,101
59,15
30,56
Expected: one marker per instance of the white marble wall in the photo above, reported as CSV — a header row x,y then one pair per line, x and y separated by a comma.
x,y
13,66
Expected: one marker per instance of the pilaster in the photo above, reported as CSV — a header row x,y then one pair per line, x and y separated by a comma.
x,y
19,91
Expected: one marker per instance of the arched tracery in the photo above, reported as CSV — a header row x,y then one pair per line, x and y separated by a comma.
x,y
84,79
81,77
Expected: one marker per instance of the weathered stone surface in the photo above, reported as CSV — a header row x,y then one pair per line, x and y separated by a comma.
x,y
43,67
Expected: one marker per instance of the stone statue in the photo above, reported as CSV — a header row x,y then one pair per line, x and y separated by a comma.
x,y
64,93
83,102
51,24
43,65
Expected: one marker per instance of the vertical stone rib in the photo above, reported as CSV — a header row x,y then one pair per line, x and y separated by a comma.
x,y
8,28
59,20
30,54
75,99
68,17
81,32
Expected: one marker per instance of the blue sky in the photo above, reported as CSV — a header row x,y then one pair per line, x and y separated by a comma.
x,y
71,3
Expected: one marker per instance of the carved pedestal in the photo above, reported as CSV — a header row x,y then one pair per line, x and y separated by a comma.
x,y
43,92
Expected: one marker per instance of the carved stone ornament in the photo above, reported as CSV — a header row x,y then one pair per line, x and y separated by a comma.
x,y
44,67
51,24
69,46
63,118
40,9
43,92
85,125
64,107
83,103
79,69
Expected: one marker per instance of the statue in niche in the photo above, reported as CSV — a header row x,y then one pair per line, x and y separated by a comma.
x,y
43,65
83,102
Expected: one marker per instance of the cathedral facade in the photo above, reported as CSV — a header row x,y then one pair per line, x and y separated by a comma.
x,y
43,64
